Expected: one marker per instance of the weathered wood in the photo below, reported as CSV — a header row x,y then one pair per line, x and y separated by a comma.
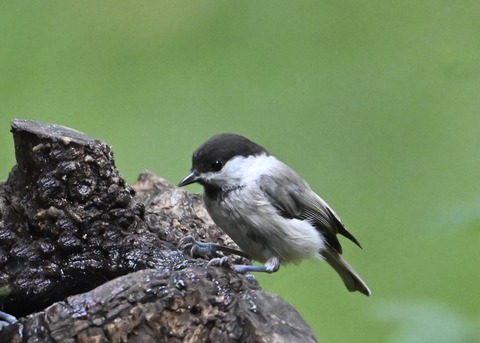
x,y
69,223
188,305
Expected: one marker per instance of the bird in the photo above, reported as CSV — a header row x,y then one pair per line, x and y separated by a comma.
x,y
267,209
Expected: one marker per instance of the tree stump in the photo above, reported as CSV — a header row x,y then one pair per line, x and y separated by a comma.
x,y
84,257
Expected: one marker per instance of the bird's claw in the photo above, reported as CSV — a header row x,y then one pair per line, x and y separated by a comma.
x,y
210,249
186,242
218,261
225,261
6,319
196,247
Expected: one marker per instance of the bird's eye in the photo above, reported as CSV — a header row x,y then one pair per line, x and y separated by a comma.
x,y
217,165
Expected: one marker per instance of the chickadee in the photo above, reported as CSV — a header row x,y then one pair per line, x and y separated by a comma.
x,y
267,209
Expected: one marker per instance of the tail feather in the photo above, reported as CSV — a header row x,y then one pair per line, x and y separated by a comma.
x,y
350,277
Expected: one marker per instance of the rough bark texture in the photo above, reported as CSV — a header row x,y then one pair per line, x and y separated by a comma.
x,y
69,223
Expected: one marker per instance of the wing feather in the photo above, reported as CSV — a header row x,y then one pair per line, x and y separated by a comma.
x,y
293,198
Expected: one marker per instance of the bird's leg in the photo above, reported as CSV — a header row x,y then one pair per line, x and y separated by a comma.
x,y
196,247
6,319
200,248
271,266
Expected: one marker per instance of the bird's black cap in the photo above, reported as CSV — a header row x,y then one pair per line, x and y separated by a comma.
x,y
221,148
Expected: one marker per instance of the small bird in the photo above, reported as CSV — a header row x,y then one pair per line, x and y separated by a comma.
x,y
267,209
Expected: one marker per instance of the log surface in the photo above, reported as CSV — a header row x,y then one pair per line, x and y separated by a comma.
x,y
85,257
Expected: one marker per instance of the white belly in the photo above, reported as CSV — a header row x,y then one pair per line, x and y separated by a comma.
x,y
254,224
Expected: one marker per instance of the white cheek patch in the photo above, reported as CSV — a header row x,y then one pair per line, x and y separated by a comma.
x,y
241,170
244,169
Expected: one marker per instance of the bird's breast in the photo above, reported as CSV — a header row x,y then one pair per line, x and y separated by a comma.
x,y
257,228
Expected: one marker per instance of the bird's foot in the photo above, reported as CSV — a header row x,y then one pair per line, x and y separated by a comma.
x,y
6,319
271,266
225,261
206,249
219,262
197,248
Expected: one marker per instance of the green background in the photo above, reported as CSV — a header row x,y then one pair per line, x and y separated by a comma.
x,y
375,103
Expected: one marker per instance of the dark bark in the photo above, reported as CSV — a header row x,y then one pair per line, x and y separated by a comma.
x,y
69,223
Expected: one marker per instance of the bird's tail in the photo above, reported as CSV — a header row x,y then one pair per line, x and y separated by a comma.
x,y
350,277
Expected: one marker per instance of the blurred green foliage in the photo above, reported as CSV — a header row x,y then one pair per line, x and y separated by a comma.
x,y
376,104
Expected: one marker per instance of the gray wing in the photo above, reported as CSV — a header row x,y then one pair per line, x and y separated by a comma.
x,y
293,198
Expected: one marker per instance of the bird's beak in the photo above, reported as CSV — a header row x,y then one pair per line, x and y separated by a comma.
x,y
190,178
